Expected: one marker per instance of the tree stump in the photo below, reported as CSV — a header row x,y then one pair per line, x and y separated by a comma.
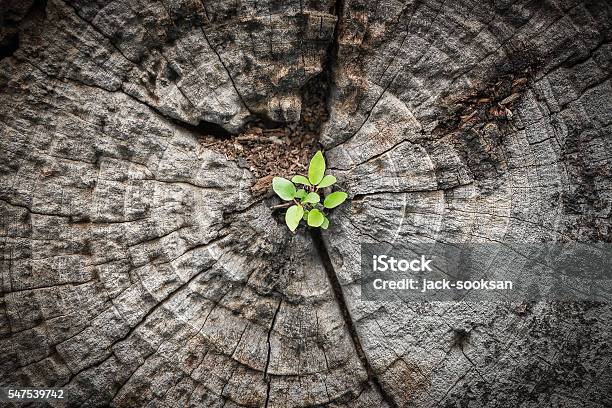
x,y
142,267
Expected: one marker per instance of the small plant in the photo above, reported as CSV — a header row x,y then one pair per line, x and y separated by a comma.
x,y
305,202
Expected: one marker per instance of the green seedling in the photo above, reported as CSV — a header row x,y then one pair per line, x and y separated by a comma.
x,y
305,202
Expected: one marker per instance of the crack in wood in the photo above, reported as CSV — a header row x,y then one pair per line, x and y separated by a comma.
x,y
266,377
321,248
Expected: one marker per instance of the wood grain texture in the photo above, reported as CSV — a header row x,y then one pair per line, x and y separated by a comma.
x,y
138,270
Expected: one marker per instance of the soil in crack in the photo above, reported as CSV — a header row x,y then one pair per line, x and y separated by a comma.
x,y
281,150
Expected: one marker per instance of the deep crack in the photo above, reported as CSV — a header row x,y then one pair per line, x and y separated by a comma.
x,y
9,46
346,316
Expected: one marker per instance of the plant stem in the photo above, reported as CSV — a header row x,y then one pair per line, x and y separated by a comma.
x,y
283,205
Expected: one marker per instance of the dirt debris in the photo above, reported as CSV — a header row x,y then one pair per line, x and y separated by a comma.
x,y
492,103
285,150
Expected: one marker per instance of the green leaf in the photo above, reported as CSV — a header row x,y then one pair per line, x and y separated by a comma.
x,y
325,224
300,180
316,170
311,198
327,181
301,194
305,217
334,199
294,216
284,188
315,218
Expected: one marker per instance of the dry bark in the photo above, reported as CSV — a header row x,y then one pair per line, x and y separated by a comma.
x,y
138,268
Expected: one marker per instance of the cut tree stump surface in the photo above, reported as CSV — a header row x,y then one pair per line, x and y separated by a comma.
x,y
140,268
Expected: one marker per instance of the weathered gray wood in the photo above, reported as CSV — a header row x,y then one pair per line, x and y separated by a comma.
x,y
138,270
417,173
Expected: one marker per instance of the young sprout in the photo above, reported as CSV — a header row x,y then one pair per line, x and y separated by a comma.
x,y
306,200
